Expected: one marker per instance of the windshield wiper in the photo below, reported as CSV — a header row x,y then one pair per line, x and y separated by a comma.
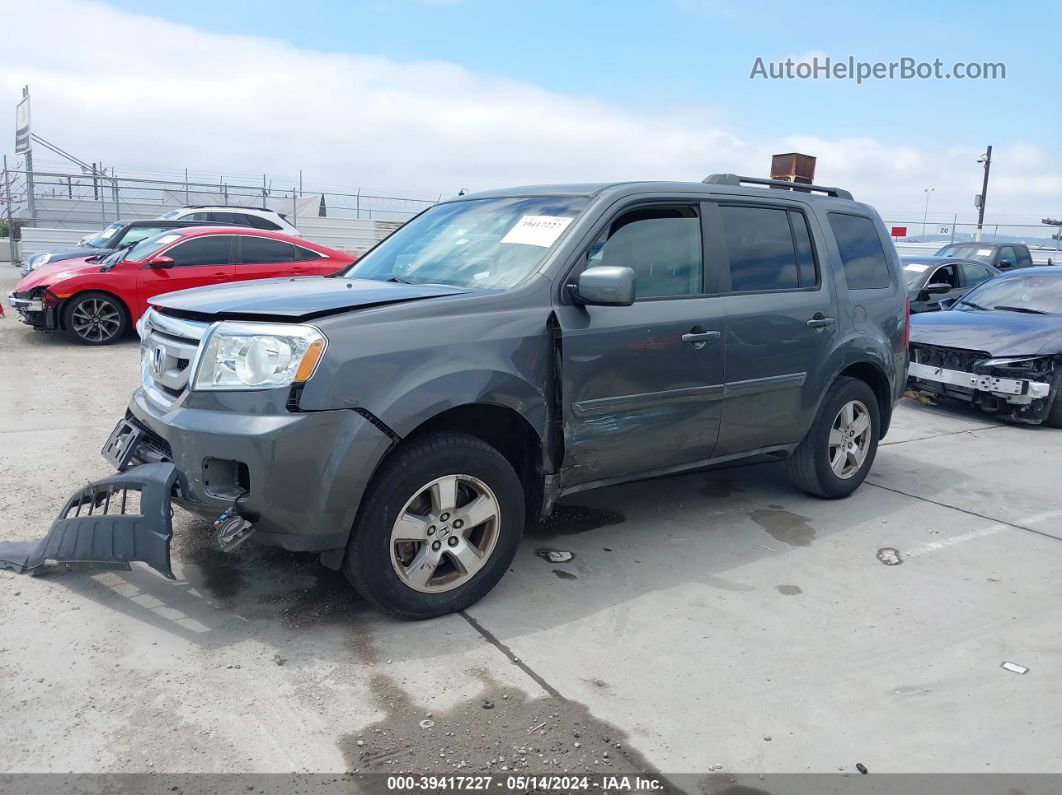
x,y
398,280
973,305
1025,309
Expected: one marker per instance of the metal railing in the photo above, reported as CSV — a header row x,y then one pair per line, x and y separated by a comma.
x,y
57,198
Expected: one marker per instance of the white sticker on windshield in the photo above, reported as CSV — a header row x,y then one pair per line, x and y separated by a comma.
x,y
915,268
984,252
537,230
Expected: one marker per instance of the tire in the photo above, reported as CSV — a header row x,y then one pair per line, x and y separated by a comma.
x,y
811,468
1054,416
384,571
95,318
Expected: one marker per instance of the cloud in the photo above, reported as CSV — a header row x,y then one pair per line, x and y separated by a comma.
x,y
168,96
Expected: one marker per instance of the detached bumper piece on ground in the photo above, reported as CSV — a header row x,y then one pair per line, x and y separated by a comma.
x,y
113,521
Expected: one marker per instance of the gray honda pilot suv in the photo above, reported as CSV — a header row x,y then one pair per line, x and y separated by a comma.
x,y
403,418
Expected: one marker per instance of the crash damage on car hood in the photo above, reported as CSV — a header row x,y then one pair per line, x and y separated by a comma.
x,y
1006,363
293,298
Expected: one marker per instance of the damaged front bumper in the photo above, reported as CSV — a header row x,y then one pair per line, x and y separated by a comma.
x,y
1018,388
34,310
123,518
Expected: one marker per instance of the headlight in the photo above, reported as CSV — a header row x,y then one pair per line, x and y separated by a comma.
x,y
258,355
39,259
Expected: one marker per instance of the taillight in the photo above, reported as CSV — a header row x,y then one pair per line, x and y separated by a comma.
x,y
907,325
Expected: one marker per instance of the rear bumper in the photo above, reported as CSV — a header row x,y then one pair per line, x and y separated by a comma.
x,y
298,476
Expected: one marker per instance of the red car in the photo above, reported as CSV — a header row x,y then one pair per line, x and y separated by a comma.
x,y
99,300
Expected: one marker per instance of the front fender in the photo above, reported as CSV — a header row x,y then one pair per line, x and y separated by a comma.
x,y
414,402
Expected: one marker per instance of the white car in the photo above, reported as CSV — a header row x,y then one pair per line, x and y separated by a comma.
x,y
256,217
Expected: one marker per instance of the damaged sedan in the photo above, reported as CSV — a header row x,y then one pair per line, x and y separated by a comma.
x,y
998,348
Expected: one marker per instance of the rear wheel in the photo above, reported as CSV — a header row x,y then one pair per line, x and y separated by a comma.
x,y
839,449
95,318
438,527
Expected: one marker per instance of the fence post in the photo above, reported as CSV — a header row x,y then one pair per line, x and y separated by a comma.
x,y
186,201
357,205
69,188
95,186
114,185
953,227
103,197
10,217
225,190
294,210
265,193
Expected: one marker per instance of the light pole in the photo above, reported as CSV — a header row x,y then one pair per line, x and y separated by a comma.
x,y
986,158
925,215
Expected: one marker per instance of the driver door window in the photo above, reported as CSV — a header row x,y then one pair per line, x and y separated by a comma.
x,y
208,250
661,245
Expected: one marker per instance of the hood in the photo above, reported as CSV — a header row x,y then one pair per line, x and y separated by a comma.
x,y
298,298
52,273
996,332
75,251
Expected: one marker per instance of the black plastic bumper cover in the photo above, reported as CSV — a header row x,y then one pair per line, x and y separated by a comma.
x,y
116,520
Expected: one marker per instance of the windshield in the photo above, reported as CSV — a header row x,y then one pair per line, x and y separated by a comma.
x,y
967,251
142,250
1029,293
912,272
99,240
475,243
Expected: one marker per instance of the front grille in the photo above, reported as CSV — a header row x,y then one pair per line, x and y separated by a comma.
x,y
151,439
167,352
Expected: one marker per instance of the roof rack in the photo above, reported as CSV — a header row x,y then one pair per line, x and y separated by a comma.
x,y
803,187
229,206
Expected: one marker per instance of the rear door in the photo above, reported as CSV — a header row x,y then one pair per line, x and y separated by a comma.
x,y
266,258
197,262
641,384
781,323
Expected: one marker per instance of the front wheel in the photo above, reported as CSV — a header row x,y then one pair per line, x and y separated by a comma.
x,y
839,449
438,527
95,318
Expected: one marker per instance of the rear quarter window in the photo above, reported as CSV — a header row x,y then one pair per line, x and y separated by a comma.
x,y
862,255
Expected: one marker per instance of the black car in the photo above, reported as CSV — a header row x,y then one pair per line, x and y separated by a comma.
x,y
931,280
1004,256
120,234
998,347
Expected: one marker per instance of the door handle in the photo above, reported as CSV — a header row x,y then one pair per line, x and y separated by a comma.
x,y
820,321
699,336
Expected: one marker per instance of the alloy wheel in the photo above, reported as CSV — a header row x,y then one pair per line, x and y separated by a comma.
x,y
445,533
850,438
96,319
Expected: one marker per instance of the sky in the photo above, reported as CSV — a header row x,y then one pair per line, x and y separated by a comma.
x,y
432,96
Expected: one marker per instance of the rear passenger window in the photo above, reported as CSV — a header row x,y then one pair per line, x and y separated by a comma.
x,y
865,266
303,254
264,250
763,254
228,218
975,274
260,223
661,244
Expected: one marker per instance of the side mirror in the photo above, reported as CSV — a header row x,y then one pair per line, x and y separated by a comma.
x,y
947,303
1005,265
160,262
937,288
606,285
